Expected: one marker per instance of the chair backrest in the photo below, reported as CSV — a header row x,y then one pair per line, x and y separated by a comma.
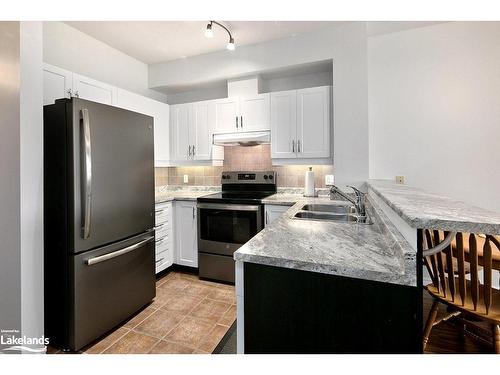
x,y
449,268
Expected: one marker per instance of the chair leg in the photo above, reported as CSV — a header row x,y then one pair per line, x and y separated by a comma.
x,y
430,322
496,338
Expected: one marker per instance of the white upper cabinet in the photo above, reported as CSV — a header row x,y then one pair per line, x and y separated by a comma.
x,y
90,89
200,131
57,83
283,124
226,115
245,113
313,122
60,83
255,112
191,127
180,117
301,124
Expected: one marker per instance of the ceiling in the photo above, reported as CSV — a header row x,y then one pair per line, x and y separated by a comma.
x,y
156,41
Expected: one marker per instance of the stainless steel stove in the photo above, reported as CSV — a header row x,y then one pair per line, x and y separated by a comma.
x,y
229,219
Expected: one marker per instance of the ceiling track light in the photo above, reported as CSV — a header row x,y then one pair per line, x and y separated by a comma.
x,y
209,33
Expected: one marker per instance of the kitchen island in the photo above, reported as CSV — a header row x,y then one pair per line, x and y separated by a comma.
x,y
307,286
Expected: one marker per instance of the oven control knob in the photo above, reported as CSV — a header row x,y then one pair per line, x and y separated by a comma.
x,y
228,177
265,177
223,176
271,176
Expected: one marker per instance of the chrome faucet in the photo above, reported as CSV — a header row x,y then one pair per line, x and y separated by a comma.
x,y
358,201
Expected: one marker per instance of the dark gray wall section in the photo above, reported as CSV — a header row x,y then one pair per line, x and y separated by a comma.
x,y
10,255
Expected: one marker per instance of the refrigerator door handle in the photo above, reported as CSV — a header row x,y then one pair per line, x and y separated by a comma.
x,y
87,170
117,253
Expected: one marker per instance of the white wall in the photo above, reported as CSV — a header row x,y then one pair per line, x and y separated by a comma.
x,y
31,163
434,112
69,48
21,178
345,45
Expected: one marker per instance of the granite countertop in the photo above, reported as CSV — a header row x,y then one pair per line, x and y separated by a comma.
x,y
375,252
421,209
181,193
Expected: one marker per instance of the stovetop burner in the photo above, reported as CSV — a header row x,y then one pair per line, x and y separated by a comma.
x,y
243,187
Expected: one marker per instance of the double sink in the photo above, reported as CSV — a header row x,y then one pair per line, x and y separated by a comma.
x,y
331,212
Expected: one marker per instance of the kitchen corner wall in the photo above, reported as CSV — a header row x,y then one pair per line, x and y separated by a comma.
x,y
238,158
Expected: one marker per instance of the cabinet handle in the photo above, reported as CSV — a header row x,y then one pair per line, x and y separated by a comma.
x,y
293,146
241,121
236,122
298,146
189,150
267,217
193,151
77,95
193,212
69,93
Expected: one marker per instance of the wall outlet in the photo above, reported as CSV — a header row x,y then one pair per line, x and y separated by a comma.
x,y
400,179
186,178
329,180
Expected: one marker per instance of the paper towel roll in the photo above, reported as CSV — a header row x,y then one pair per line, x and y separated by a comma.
x,y
309,190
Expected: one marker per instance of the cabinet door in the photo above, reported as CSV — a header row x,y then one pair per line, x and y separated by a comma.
x,y
199,131
226,116
313,122
162,134
284,124
255,112
90,89
179,126
273,212
57,84
186,237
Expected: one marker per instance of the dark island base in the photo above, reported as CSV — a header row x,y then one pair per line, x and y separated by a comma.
x,y
291,311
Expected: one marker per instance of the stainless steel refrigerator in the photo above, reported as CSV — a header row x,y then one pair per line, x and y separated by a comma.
x,y
99,219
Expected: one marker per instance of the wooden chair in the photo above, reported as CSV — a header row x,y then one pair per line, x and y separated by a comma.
x,y
455,269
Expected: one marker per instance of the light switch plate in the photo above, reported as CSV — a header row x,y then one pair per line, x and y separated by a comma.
x,y
400,179
329,180
186,178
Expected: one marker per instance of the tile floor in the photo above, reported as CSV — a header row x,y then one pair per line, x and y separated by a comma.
x,y
188,316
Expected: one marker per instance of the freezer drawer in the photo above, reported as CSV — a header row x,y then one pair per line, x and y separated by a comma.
x,y
216,267
110,284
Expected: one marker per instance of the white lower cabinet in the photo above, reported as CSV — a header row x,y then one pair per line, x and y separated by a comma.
x,y
273,212
186,233
164,244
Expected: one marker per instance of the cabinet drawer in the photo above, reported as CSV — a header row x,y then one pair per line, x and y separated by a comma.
x,y
163,246
164,226
163,212
162,261
162,233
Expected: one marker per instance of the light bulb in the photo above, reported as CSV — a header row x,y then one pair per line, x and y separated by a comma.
x,y
209,32
230,46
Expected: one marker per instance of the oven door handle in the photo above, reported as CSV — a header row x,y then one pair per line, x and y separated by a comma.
x,y
229,207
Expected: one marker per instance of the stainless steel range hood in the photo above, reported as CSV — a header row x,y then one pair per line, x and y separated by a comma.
x,y
242,138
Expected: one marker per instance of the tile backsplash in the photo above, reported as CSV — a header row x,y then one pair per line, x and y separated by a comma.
x,y
239,158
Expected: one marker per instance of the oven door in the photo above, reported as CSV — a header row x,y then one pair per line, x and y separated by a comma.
x,y
223,228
